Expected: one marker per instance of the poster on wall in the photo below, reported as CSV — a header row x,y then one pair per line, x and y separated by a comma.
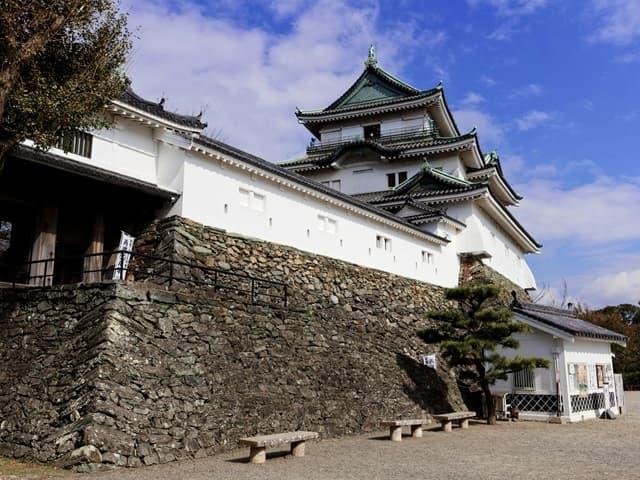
x,y
582,379
608,374
123,257
600,375
593,378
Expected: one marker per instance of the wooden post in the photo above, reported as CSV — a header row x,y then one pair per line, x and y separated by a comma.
x,y
92,266
464,423
447,426
395,434
297,449
44,247
416,431
258,454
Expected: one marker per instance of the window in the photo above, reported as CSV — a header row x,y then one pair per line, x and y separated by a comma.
x,y
79,143
372,131
328,225
254,201
244,197
257,202
396,178
524,379
383,243
335,184
427,257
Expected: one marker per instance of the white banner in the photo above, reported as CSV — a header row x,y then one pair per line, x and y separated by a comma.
x,y
430,361
123,257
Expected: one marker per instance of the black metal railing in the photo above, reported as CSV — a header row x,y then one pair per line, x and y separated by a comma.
x,y
389,136
130,265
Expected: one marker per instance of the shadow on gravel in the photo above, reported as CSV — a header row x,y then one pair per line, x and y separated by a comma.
x,y
386,437
270,455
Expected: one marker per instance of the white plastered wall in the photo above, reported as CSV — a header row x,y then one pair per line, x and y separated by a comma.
x,y
211,196
532,344
483,235
590,352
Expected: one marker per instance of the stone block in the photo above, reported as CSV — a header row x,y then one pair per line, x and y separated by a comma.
x,y
82,455
109,439
115,459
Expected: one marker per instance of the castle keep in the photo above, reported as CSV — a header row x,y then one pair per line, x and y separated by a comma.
x,y
257,297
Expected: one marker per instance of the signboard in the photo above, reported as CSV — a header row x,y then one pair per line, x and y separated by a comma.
x,y
430,361
600,375
619,389
123,257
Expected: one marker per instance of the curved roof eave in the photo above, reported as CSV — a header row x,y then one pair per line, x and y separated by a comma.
x,y
497,181
447,111
155,110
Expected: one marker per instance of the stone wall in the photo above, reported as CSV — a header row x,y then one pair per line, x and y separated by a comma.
x,y
51,347
133,374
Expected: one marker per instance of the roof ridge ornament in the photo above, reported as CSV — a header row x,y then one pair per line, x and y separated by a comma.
x,y
372,59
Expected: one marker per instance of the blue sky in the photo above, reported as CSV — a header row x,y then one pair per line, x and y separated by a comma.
x,y
552,85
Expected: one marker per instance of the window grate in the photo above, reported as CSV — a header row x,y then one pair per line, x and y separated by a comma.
x,y
79,143
532,402
524,379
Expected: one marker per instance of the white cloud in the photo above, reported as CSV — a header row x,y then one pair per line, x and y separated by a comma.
x,y
488,81
284,8
491,133
532,120
619,21
599,212
473,98
510,8
613,288
526,91
249,77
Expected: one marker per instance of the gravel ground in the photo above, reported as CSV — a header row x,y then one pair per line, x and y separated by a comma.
x,y
523,450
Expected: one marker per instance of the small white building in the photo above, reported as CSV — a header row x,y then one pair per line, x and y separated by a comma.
x,y
580,375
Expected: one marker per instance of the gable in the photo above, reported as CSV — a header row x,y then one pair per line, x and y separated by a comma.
x,y
373,85
370,88
430,179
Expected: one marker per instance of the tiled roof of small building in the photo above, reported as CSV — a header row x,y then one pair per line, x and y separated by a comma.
x,y
565,320
157,108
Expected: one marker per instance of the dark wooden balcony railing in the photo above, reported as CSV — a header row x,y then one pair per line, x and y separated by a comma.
x,y
389,136
128,265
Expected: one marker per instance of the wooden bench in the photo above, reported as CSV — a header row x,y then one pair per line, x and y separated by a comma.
x,y
259,444
447,418
395,428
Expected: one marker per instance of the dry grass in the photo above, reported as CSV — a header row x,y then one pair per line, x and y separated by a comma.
x,y
14,469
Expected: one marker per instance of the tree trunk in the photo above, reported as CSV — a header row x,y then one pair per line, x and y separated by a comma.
x,y
491,404
5,146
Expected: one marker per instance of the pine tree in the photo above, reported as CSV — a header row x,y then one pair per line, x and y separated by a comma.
x,y
471,336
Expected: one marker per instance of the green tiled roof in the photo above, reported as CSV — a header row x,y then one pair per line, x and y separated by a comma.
x,y
390,150
429,178
374,86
